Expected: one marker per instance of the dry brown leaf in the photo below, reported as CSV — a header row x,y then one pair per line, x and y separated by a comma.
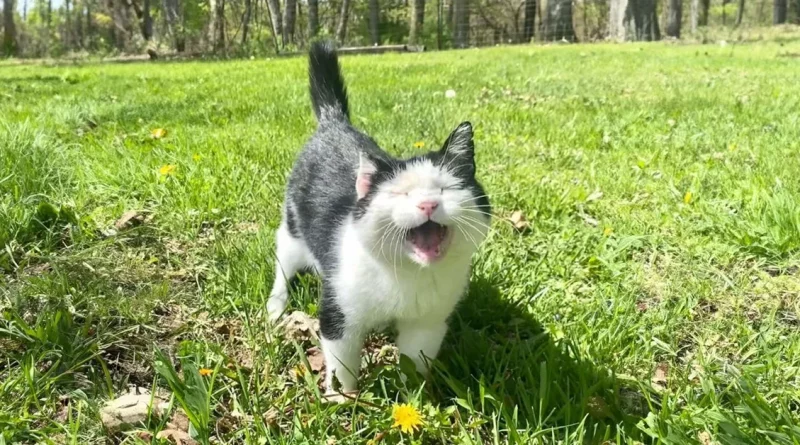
x,y
299,327
176,436
131,218
316,360
179,421
705,438
271,417
519,221
659,379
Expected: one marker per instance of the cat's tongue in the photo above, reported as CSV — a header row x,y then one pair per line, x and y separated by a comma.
x,y
427,240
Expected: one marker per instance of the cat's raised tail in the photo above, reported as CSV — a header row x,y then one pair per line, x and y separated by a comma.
x,y
328,93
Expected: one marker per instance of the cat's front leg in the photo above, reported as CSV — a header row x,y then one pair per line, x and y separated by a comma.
x,y
341,344
420,339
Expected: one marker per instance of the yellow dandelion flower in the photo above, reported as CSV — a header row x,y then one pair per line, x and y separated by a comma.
x,y
687,198
419,144
158,133
206,372
196,157
167,169
608,231
406,417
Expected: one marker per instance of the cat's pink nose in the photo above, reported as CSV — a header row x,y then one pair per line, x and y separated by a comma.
x,y
428,207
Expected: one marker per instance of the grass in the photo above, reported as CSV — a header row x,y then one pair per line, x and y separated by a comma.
x,y
655,297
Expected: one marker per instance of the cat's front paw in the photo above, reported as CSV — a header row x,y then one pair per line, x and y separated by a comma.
x,y
275,307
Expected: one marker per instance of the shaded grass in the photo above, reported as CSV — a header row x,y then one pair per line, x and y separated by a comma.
x,y
661,183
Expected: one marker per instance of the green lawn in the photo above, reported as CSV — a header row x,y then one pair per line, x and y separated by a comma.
x,y
654,297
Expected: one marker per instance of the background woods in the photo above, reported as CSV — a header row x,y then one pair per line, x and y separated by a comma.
x,y
36,28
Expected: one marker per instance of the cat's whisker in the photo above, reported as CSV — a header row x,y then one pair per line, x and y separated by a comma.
x,y
469,237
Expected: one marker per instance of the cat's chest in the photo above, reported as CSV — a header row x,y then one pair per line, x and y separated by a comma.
x,y
377,293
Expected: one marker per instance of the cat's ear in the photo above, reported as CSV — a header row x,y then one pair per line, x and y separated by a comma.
x,y
459,150
364,174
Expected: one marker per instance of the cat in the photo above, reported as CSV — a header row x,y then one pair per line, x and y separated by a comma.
x,y
392,239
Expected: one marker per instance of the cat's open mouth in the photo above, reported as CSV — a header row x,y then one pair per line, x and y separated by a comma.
x,y
428,241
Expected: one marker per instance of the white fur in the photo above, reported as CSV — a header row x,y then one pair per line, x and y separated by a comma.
x,y
378,280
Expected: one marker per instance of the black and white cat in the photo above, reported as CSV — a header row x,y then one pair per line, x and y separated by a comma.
x,y
391,239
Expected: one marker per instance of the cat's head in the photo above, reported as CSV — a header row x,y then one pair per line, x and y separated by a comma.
x,y
429,208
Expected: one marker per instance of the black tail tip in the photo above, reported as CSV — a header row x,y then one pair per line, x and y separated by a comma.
x,y
324,48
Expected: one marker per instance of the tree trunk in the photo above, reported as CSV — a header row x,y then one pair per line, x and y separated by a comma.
x,y
89,26
460,23
702,19
68,25
147,21
374,22
778,12
275,17
9,30
313,18
643,17
674,15
740,13
341,28
557,24
796,7
289,15
617,20
49,14
79,24
529,22
175,24
219,20
416,21
248,10
693,16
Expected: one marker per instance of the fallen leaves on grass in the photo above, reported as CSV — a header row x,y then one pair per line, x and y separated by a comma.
x,y
176,436
298,326
316,360
406,417
659,379
519,221
127,411
129,219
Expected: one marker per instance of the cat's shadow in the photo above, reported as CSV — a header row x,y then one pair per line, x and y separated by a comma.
x,y
496,348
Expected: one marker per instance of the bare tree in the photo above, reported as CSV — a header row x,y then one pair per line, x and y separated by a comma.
x,y
740,13
175,24
147,21
674,15
289,15
557,23
248,11
529,24
460,23
617,15
341,27
219,20
374,22
313,18
702,19
644,17
416,21
778,12
9,30
275,17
